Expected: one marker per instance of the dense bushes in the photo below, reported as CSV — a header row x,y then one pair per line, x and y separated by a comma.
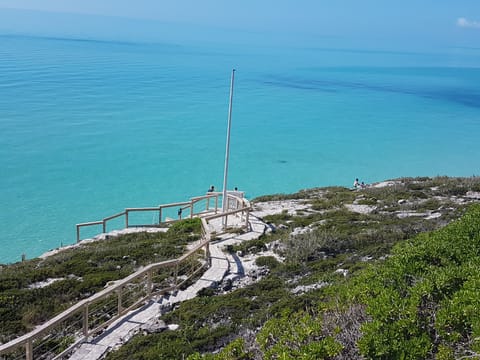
x,y
423,301
296,336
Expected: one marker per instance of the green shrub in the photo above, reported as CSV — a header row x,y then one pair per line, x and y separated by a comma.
x,y
250,246
424,298
368,201
278,218
294,336
269,261
186,227
233,351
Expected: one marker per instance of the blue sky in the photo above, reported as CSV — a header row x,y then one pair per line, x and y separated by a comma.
x,y
420,22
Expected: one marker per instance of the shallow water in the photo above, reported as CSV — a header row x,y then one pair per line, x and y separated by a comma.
x,y
88,128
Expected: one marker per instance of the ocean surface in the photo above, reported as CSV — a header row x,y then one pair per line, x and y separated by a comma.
x,y
88,128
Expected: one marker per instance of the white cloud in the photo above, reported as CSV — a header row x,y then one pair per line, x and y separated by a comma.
x,y
463,22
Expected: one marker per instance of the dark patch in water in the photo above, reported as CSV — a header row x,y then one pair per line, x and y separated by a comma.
x,y
461,96
282,161
464,97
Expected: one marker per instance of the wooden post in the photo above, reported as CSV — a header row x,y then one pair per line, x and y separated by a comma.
x,y
149,284
216,204
191,209
176,274
29,350
78,234
119,301
104,224
159,215
85,321
207,253
208,203
126,218
246,222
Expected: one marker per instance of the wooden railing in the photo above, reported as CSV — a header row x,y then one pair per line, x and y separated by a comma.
x,y
188,205
59,336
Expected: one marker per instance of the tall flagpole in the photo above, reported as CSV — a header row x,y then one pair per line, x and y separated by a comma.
x,y
227,148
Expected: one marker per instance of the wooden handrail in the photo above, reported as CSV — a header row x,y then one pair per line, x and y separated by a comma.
x,y
184,205
208,196
82,306
114,216
142,209
90,223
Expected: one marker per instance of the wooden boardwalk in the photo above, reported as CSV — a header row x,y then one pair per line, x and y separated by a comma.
x,y
133,300
222,264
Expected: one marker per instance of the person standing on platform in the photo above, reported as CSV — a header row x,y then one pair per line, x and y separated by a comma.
x,y
356,184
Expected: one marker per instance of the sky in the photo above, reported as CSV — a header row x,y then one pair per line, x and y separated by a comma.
x,y
423,22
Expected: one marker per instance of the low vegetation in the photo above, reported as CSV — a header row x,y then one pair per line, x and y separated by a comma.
x,y
376,273
384,284
423,300
77,273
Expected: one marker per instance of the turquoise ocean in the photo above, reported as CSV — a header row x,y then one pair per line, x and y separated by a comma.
x,y
88,128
